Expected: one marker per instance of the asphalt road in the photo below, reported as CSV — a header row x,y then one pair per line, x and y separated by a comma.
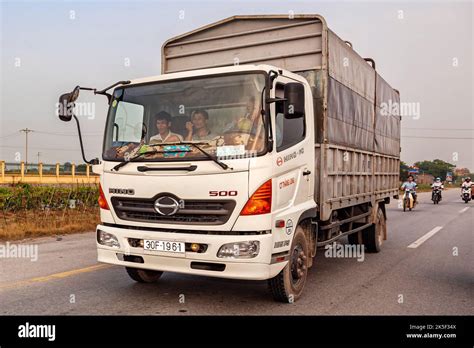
x,y
435,277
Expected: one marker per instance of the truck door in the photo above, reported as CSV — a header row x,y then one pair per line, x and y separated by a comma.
x,y
293,164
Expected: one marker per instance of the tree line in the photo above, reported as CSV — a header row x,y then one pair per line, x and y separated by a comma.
x,y
437,168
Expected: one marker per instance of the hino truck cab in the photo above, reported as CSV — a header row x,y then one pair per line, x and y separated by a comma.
x,y
225,195
257,145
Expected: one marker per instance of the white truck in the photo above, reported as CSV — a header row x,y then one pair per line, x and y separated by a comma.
x,y
264,138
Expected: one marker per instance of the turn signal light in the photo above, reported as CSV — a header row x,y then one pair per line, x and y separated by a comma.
x,y
280,223
102,201
260,202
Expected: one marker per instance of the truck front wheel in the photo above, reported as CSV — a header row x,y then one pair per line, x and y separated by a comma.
x,y
288,285
143,275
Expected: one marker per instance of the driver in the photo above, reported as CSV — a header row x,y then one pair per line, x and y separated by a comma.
x,y
163,125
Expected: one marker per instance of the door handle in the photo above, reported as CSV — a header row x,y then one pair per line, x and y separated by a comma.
x,y
306,172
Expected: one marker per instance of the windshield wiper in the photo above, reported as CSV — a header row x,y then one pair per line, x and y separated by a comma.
x,y
137,156
195,144
207,154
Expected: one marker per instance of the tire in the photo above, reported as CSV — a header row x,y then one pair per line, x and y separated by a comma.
x,y
404,204
353,238
374,234
288,285
143,275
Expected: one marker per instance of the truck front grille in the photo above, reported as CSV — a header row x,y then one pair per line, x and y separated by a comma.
x,y
205,212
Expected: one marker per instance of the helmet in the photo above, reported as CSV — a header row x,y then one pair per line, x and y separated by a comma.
x,y
438,179
468,179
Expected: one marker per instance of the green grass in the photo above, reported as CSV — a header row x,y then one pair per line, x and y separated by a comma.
x,y
40,210
25,196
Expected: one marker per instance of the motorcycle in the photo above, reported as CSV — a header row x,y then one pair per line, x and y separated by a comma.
x,y
436,196
466,194
408,200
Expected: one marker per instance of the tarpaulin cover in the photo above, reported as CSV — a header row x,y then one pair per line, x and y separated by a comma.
x,y
350,117
387,119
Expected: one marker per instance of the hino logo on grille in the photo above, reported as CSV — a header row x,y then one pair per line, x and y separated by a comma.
x,y
167,205
122,191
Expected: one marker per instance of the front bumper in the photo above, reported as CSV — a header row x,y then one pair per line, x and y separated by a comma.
x,y
258,268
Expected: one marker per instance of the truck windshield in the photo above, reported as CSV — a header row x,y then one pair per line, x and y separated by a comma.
x,y
159,120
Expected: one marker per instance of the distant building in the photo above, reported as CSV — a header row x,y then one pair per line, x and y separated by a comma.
x,y
461,171
424,179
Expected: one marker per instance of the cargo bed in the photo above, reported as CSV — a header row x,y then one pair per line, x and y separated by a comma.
x,y
357,138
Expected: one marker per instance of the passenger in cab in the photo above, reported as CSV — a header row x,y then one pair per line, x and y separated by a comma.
x,y
198,128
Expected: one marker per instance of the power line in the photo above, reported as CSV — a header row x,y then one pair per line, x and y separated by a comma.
x,y
52,133
441,129
453,138
8,135
44,148
69,134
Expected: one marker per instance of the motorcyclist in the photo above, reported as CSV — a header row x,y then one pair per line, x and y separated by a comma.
x,y
411,185
437,184
466,184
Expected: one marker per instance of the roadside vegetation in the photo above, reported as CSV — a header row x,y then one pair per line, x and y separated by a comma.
x,y
34,210
436,168
427,187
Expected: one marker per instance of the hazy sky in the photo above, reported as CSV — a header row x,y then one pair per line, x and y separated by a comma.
x,y
424,49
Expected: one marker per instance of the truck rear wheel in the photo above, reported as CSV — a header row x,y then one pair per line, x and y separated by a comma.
x,y
354,237
288,285
374,234
143,275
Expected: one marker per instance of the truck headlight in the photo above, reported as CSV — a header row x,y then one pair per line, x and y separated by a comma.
x,y
240,250
107,239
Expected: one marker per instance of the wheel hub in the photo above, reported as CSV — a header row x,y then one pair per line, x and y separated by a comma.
x,y
298,263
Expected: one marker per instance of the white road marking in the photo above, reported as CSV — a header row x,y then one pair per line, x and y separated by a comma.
x,y
424,238
463,210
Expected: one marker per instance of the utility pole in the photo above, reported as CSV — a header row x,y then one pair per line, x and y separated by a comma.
x,y
38,154
26,131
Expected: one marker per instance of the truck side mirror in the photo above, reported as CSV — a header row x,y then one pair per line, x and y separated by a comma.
x,y
65,106
294,100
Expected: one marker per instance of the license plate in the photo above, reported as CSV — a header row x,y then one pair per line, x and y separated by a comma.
x,y
165,246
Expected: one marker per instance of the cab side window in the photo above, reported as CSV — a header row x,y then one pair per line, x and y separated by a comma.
x,y
288,132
